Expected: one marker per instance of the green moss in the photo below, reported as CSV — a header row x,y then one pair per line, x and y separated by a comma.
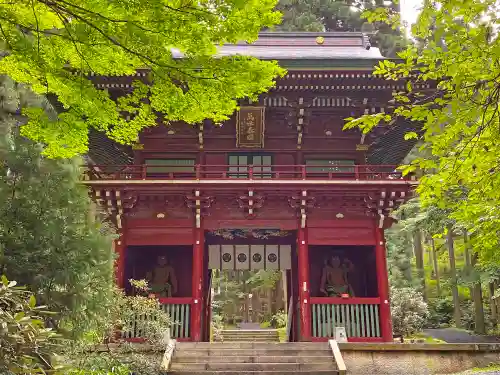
x,y
282,334
428,339
265,325
492,367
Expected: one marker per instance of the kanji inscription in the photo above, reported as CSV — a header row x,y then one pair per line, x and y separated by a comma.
x,y
250,126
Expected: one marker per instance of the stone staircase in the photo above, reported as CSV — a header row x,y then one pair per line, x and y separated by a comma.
x,y
250,335
240,358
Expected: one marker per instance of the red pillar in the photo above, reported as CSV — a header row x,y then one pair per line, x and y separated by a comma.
x,y
120,246
197,284
303,276
383,285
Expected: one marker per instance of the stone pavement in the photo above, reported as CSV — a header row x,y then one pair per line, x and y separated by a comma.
x,y
459,336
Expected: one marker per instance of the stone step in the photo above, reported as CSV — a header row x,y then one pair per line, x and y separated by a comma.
x,y
250,336
248,332
242,367
301,372
183,358
249,339
250,345
251,352
272,334
263,330
252,358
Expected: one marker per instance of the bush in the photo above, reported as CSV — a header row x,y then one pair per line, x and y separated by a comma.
x,y
217,326
409,311
440,312
278,320
87,360
467,315
26,345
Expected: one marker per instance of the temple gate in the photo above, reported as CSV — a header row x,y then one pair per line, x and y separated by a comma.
x,y
278,186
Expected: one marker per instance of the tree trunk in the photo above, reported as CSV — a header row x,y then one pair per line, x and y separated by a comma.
x,y
436,267
478,303
453,276
419,260
468,264
493,305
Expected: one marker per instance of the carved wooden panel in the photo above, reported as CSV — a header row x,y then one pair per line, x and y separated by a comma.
x,y
159,236
160,206
341,236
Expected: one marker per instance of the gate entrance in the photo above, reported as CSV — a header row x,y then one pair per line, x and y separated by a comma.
x,y
251,277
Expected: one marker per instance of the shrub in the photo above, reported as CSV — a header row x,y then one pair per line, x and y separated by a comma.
x,y
26,344
87,360
409,311
440,312
217,326
279,319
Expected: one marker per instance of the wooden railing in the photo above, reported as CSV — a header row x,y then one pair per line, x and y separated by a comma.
x,y
246,172
359,316
179,310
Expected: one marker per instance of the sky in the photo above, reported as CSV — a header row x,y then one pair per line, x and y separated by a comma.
x,y
409,10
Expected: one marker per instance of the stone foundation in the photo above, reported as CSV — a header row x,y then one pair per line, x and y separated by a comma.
x,y
416,359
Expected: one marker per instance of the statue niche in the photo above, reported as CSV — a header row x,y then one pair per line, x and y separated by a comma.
x,y
335,278
162,279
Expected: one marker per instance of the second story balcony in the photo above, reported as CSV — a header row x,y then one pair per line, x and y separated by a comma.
x,y
261,174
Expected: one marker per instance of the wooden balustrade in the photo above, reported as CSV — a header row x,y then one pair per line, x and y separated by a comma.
x,y
359,316
179,310
246,172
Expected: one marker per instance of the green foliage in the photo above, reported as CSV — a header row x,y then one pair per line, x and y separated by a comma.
x,y
340,15
440,312
399,257
409,311
85,355
26,345
126,309
118,369
263,279
50,240
468,321
54,47
279,320
216,327
234,291
459,137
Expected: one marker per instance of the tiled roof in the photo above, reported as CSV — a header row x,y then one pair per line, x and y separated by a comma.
x,y
303,46
104,151
391,147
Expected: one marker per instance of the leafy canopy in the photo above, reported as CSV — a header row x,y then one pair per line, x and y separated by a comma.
x,y
460,49
55,45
